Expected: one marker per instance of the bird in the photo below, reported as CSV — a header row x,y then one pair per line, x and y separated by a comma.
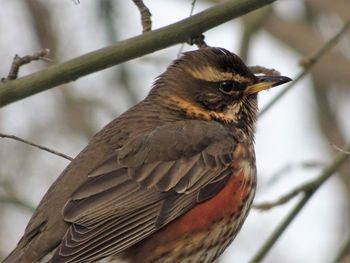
x,y
170,180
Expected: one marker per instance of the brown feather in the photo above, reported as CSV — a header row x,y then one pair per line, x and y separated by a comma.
x,y
146,168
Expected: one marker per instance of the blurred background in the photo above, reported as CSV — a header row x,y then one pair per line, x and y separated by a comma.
x,y
294,138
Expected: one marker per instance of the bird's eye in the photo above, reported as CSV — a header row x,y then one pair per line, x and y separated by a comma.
x,y
227,87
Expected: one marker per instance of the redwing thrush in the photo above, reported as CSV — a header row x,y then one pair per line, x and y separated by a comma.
x,y
170,180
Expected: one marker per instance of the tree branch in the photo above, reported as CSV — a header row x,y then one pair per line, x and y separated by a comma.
x,y
327,172
2,135
126,50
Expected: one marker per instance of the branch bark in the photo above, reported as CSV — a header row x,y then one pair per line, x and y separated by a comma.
x,y
126,50
145,15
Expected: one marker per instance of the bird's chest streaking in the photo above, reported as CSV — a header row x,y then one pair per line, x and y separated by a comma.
x,y
203,233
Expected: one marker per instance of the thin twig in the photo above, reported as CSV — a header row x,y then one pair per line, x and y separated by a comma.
x,y
264,206
339,149
339,160
145,15
2,135
283,171
20,61
198,41
263,70
193,4
311,61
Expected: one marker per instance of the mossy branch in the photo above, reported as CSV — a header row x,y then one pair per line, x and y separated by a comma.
x,y
146,43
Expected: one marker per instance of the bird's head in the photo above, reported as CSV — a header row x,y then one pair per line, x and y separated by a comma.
x,y
214,84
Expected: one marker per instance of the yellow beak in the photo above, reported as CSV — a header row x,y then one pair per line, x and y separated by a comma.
x,y
266,82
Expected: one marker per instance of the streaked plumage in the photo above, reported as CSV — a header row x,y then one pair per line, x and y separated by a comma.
x,y
170,180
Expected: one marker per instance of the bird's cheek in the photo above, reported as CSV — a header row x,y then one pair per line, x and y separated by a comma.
x,y
212,98
211,101
236,97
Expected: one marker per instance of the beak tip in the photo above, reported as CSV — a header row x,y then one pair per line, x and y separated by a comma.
x,y
281,80
267,82
274,80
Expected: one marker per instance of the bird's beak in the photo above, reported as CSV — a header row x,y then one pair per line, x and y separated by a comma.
x,y
266,82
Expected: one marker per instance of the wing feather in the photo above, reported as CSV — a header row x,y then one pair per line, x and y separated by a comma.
x,y
150,181
79,243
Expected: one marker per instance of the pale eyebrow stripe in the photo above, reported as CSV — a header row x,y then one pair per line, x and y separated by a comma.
x,y
208,73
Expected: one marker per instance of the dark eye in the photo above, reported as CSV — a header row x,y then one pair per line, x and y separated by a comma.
x,y
227,87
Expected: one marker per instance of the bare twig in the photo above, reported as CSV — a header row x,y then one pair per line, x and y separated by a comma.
x,y
264,206
305,187
2,135
20,61
193,4
145,15
339,160
198,41
311,61
339,149
263,70
283,171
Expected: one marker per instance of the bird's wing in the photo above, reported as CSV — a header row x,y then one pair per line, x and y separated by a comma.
x,y
149,182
